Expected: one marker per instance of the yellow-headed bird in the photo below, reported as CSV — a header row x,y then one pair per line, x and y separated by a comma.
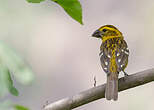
x,y
113,56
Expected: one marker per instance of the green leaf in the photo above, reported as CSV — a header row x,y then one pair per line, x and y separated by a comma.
x,y
13,91
35,1
20,107
9,105
6,82
11,88
16,65
72,7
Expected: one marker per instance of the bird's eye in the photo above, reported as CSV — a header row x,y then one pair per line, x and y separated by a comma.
x,y
104,30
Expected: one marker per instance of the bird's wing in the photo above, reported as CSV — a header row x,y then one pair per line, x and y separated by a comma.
x,y
122,54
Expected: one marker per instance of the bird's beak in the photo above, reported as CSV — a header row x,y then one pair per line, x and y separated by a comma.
x,y
96,34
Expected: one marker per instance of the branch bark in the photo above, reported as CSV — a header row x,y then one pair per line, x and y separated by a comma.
x,y
98,92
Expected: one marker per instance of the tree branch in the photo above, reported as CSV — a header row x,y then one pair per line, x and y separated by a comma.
x,y
98,92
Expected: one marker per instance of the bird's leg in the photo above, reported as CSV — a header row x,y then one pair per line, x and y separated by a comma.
x,y
125,74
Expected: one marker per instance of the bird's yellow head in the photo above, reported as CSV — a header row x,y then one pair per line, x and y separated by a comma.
x,y
107,32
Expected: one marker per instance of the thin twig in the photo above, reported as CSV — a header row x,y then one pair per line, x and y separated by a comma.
x,y
94,81
98,92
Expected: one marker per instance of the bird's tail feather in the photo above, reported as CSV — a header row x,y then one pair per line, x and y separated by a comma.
x,y
111,91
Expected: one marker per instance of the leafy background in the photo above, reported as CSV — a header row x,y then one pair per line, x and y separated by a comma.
x,y
72,7
64,56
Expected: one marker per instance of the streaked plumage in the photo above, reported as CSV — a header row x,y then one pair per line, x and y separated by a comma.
x,y
113,56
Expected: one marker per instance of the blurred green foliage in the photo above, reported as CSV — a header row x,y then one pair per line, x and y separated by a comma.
x,y
19,107
35,1
12,64
15,64
8,105
9,82
13,67
72,7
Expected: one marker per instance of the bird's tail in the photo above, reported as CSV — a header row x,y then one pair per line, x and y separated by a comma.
x,y
111,91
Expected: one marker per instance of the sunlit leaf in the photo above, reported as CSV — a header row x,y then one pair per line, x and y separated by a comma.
x,y
35,1
72,7
20,107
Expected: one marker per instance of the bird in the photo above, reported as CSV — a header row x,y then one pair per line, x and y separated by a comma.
x,y
114,55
